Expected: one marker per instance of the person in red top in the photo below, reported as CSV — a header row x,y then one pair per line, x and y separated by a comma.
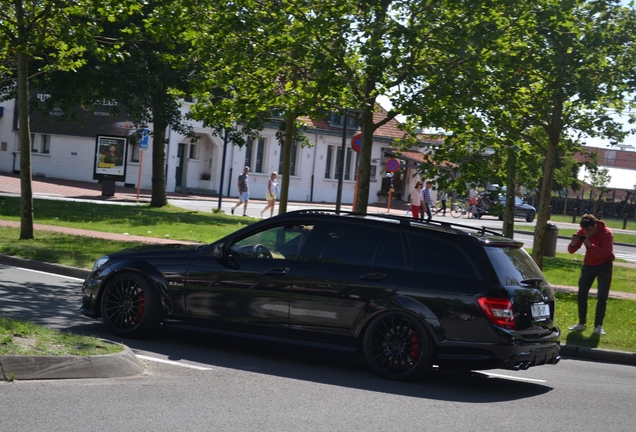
x,y
598,263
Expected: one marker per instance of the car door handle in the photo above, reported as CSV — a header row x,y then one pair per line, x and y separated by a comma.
x,y
277,271
373,276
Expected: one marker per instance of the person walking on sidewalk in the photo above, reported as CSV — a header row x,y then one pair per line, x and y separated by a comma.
x,y
426,195
416,200
443,198
270,195
244,190
598,263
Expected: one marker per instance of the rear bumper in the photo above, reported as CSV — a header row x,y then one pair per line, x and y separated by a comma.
x,y
467,356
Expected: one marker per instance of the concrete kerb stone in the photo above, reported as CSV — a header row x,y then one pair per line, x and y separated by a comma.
x,y
117,365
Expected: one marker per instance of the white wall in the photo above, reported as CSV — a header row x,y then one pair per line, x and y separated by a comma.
x,y
72,158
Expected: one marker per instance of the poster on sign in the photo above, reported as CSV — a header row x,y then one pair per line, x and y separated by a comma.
x,y
110,158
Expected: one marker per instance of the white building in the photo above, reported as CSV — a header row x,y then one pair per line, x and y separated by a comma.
x,y
196,167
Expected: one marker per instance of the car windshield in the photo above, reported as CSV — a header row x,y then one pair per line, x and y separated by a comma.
x,y
513,265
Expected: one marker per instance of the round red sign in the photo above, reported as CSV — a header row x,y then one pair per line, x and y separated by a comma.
x,y
356,142
392,165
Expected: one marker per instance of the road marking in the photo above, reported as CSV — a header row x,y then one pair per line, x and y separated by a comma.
x,y
514,377
170,362
47,273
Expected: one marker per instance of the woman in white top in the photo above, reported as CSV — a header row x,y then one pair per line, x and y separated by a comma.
x,y
416,200
270,195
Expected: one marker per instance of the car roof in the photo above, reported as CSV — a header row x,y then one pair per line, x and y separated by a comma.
x,y
486,235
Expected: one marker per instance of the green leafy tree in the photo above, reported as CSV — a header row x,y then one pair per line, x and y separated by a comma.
x,y
552,72
143,61
52,34
276,60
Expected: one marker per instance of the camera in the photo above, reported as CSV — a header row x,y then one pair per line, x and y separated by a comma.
x,y
582,237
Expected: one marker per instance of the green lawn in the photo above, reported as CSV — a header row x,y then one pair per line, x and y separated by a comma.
x,y
166,222
620,323
19,337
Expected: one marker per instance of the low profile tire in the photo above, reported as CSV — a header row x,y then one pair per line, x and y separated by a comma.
x,y
397,347
530,216
130,306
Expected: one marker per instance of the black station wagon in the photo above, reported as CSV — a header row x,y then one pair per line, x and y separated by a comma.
x,y
405,294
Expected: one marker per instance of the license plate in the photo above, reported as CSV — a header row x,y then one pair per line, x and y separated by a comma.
x,y
540,311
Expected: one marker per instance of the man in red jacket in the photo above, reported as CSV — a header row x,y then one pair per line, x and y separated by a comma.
x,y
599,255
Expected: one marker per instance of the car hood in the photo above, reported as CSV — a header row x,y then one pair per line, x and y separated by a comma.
x,y
156,250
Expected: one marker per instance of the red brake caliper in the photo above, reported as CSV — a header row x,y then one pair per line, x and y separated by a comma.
x,y
415,346
142,307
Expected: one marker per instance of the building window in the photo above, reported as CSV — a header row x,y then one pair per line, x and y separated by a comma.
x,y
46,144
134,152
328,161
254,151
40,143
292,166
347,166
337,119
34,145
194,151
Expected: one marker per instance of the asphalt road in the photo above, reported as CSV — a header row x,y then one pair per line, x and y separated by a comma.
x,y
198,382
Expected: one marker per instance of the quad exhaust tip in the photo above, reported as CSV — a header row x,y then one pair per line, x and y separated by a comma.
x,y
525,365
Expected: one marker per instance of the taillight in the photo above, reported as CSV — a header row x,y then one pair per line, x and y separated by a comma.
x,y
498,311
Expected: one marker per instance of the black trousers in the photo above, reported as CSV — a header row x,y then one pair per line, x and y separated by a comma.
x,y
588,274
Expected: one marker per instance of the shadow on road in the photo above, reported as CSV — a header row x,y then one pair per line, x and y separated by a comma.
x,y
57,306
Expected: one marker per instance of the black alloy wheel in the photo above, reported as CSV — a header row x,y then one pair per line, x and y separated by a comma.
x,y
397,347
130,306
530,216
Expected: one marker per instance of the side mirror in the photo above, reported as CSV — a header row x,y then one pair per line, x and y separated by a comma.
x,y
218,252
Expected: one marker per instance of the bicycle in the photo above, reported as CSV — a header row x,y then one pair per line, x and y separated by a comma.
x,y
464,209
457,210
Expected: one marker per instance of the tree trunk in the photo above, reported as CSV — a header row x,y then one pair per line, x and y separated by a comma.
x,y
364,167
290,121
26,187
159,197
511,185
543,213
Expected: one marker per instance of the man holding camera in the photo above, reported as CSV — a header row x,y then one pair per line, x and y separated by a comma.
x,y
599,255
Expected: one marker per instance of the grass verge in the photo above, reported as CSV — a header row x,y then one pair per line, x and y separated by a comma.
x,y
564,269
143,220
19,337
620,323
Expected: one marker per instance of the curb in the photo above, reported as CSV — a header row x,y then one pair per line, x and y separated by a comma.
x,y
119,365
606,356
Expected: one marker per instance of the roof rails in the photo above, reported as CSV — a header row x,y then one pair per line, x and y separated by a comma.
x,y
404,220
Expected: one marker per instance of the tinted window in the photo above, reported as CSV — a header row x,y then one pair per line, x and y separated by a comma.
x,y
282,242
347,244
432,255
513,265
391,252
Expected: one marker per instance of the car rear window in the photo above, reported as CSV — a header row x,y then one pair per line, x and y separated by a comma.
x,y
513,265
432,255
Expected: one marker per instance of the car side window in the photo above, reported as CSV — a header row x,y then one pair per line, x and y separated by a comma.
x,y
391,252
346,244
281,242
432,255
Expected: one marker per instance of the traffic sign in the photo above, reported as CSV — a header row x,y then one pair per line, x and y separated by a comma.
x,y
392,165
143,141
356,142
